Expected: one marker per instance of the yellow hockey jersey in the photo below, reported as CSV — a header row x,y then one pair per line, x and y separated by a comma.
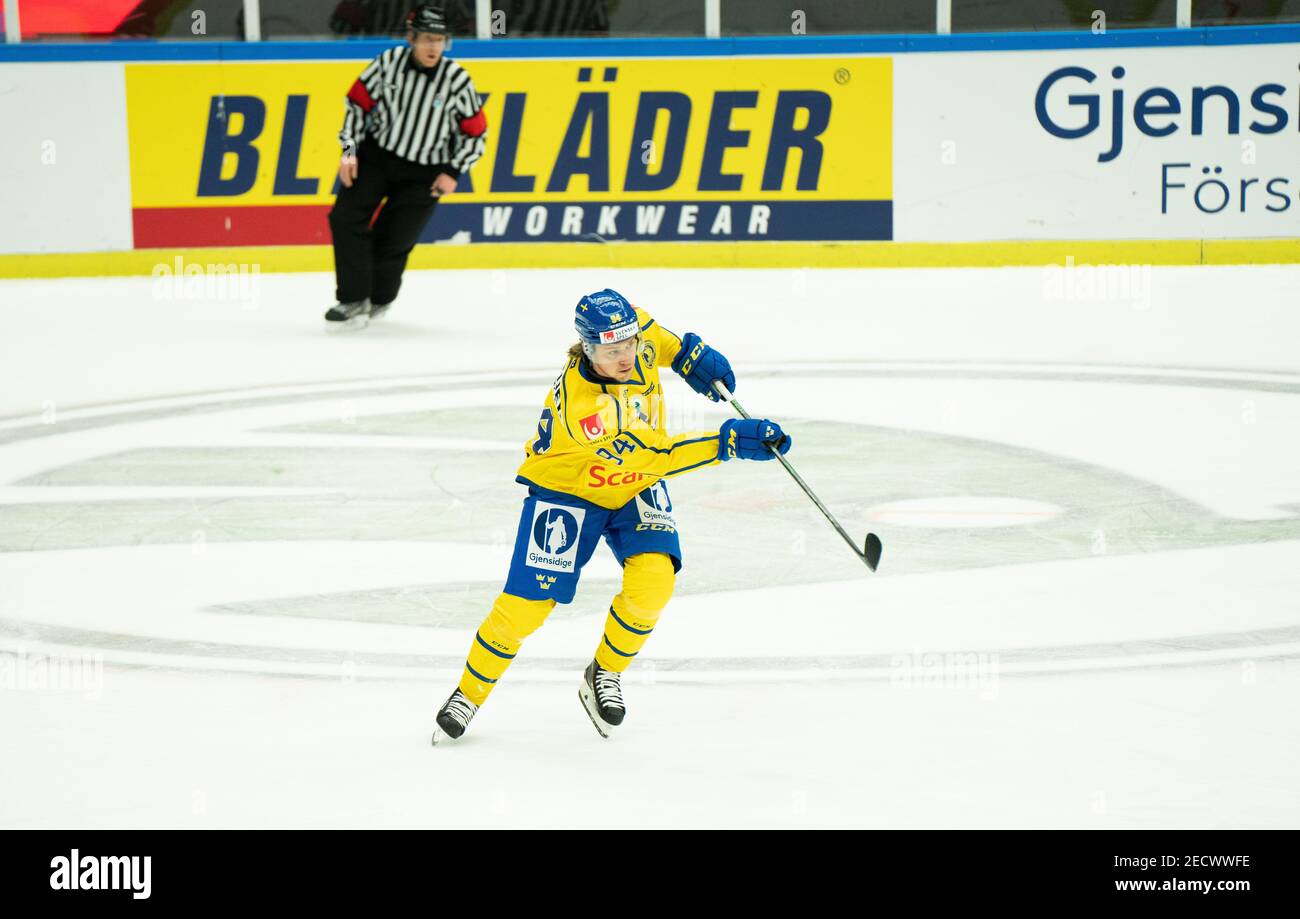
x,y
604,442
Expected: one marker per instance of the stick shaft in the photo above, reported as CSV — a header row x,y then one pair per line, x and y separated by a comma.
x,y
740,409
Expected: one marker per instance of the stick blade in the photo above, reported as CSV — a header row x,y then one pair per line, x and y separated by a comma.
x,y
871,551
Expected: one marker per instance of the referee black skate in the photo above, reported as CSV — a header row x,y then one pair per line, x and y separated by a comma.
x,y
414,124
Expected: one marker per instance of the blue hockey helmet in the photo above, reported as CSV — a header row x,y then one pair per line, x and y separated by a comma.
x,y
604,318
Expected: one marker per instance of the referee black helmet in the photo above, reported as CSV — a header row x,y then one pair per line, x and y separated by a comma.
x,y
427,18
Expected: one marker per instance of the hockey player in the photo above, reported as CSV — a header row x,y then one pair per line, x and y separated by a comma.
x,y
597,467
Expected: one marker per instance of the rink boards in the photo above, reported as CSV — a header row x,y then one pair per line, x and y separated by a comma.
x,y
912,150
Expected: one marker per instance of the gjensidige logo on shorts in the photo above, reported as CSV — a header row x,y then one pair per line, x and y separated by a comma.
x,y
654,505
555,536
103,872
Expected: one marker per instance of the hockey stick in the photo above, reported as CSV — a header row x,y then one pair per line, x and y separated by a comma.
x,y
870,552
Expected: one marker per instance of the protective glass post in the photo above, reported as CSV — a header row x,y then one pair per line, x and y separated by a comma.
x,y
252,20
13,31
943,17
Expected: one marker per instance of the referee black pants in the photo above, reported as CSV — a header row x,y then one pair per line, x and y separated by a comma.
x,y
369,261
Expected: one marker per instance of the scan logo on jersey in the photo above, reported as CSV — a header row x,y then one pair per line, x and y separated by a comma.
x,y
555,536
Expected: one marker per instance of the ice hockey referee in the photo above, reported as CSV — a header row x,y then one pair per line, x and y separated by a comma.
x,y
414,125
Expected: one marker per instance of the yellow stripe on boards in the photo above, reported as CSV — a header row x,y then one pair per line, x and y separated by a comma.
x,y
680,255
1252,251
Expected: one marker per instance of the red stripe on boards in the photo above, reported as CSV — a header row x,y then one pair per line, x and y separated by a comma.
x,y
257,225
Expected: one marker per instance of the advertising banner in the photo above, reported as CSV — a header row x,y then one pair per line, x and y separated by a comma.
x,y
1198,142
703,149
64,159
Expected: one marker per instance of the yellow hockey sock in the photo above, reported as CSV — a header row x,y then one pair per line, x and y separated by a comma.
x,y
648,581
498,640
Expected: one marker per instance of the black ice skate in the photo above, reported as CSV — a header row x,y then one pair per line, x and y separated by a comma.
x,y
601,693
454,717
351,315
378,309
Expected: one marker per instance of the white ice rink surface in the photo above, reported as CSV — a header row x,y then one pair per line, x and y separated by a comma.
x,y
241,559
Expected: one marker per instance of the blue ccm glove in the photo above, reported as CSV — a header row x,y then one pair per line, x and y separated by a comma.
x,y
748,438
699,365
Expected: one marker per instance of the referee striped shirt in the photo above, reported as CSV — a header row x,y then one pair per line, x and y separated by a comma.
x,y
432,117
